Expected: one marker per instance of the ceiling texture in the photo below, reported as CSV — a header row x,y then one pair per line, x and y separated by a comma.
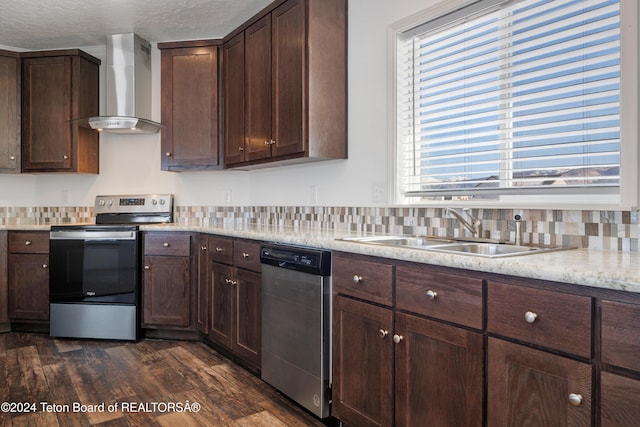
x,y
59,24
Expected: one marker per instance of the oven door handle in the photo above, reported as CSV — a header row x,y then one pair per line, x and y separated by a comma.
x,y
93,235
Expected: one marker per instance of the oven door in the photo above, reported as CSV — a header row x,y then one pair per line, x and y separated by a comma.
x,y
94,265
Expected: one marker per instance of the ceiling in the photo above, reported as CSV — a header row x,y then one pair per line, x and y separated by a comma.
x,y
39,25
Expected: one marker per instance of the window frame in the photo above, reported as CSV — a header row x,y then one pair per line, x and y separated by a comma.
x,y
629,195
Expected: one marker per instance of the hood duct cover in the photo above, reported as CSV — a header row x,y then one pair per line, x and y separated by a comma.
x,y
128,88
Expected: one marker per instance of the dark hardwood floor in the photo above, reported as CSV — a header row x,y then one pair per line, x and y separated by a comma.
x,y
152,382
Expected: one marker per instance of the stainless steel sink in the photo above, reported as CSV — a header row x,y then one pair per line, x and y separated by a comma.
x,y
436,244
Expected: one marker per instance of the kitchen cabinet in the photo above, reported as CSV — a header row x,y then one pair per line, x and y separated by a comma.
x,y
235,298
10,107
295,85
527,385
166,286
236,150
28,286
620,392
58,86
414,368
5,325
189,106
201,283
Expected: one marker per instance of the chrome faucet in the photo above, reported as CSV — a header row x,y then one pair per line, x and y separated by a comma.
x,y
518,237
474,227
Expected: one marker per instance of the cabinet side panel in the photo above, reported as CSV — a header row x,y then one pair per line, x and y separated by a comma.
x,y
4,284
327,78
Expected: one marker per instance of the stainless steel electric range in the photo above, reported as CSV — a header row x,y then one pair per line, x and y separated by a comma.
x,y
95,270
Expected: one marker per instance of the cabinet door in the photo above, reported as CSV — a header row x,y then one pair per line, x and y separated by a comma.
x,y
438,374
46,135
362,363
190,108
234,134
258,90
166,291
620,401
248,316
29,287
10,98
528,387
288,68
201,283
221,303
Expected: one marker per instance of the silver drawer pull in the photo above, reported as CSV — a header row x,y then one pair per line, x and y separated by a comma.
x,y
357,279
218,249
530,317
431,294
28,243
575,399
245,255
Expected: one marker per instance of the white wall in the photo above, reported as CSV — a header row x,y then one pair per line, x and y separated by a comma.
x,y
131,164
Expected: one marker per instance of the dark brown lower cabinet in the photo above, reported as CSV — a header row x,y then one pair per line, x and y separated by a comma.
x,y
529,387
362,363
29,287
619,401
166,291
235,317
439,372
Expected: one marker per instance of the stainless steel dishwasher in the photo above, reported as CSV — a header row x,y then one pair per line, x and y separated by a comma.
x,y
296,324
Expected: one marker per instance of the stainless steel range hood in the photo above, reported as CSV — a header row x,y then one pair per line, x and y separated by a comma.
x,y
128,88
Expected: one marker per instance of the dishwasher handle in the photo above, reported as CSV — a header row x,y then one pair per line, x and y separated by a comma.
x,y
303,259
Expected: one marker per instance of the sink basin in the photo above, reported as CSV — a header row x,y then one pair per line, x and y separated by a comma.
x,y
406,241
436,244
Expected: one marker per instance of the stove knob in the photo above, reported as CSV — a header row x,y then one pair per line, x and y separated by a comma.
x,y
109,202
154,202
101,203
162,201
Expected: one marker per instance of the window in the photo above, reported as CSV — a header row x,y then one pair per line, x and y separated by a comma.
x,y
506,100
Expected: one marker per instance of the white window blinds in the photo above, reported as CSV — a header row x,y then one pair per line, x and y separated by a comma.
x,y
511,98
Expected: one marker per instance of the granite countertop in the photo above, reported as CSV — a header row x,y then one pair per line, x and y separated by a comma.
x,y
597,268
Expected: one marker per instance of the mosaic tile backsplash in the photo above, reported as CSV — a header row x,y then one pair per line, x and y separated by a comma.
x,y
617,230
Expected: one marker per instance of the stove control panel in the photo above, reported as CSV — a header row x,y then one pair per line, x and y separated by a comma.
x,y
126,204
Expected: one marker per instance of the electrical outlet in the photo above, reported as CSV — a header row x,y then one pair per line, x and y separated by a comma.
x,y
379,192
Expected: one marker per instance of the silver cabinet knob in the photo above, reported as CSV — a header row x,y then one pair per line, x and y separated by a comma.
x,y
357,279
28,243
65,157
166,244
230,282
575,399
167,154
382,333
146,267
397,338
45,266
530,317
203,248
431,294
218,249
12,157
245,255
240,148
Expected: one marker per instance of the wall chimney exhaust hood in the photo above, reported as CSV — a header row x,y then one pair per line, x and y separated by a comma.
x,y
128,88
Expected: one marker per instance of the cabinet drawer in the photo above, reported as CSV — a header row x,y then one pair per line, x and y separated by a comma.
x,y
372,281
449,297
620,337
551,319
221,249
246,254
31,242
167,244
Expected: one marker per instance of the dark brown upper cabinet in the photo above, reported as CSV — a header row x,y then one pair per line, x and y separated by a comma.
x,y
294,94
58,86
10,94
189,97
